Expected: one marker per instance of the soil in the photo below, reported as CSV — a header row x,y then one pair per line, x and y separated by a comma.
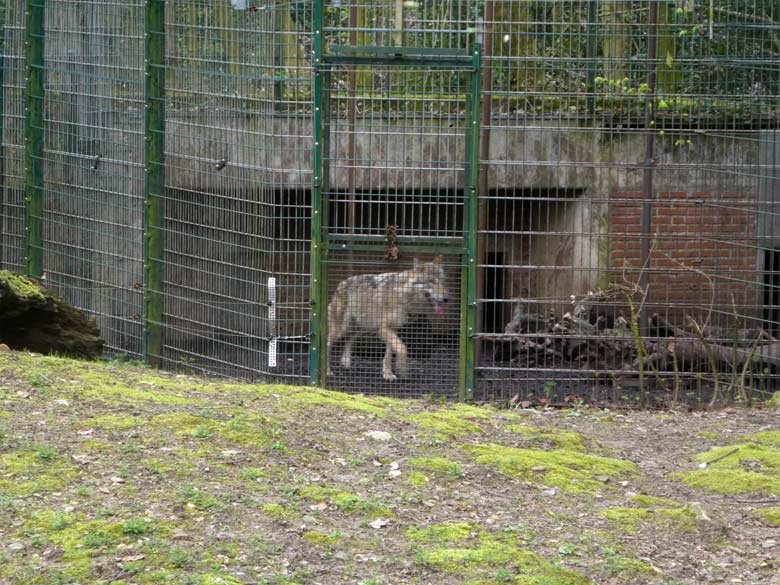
x,y
114,473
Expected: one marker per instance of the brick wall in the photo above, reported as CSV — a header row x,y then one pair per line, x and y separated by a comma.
x,y
703,242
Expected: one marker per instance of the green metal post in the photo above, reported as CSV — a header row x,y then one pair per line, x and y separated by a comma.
x,y
2,132
591,49
469,279
33,140
318,300
154,189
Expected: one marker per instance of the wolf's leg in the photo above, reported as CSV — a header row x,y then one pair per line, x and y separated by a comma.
x,y
394,345
346,355
336,330
387,365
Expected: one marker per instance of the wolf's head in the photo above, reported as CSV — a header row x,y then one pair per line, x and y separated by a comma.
x,y
429,283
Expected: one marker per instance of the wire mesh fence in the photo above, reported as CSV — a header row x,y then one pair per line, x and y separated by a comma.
x,y
93,163
12,159
393,174
627,180
235,212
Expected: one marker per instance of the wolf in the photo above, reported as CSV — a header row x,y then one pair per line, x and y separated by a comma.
x,y
382,304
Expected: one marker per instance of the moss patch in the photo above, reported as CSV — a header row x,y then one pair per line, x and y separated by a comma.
x,y
548,437
452,532
345,501
418,479
115,422
246,430
315,396
730,481
770,515
486,554
649,501
21,286
322,539
754,467
631,519
455,421
774,402
102,385
279,512
35,471
571,471
437,465
768,439
80,540
631,570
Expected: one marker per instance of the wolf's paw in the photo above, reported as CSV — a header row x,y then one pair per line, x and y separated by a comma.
x,y
389,376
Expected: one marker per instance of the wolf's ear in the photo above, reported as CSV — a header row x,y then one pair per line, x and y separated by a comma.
x,y
439,259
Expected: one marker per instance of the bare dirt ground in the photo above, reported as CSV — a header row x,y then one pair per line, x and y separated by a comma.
x,y
112,473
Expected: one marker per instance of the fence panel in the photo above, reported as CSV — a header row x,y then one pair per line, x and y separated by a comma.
x,y
93,163
630,182
237,153
14,70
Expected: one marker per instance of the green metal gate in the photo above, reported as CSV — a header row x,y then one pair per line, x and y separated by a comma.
x,y
394,218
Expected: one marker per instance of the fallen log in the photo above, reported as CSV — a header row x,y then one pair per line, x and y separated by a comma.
x,y
685,348
524,322
35,319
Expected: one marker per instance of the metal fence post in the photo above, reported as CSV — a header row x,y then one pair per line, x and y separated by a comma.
x,y
318,303
2,141
154,188
33,139
469,303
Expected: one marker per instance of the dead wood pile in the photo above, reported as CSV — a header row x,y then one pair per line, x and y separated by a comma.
x,y
600,333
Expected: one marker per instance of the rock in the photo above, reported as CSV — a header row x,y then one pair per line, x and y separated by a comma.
x,y
16,546
4,347
379,435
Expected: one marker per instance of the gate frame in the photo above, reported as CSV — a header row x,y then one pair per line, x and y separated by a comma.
x,y
468,60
